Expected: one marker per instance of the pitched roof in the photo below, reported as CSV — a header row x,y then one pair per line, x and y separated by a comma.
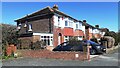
x,y
104,29
42,11
45,10
51,10
86,24
62,13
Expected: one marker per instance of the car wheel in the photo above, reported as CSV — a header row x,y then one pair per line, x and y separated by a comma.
x,y
92,51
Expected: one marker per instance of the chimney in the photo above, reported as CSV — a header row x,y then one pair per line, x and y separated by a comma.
x,y
55,7
84,21
97,26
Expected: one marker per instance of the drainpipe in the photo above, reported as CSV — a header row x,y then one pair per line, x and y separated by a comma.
x,y
50,25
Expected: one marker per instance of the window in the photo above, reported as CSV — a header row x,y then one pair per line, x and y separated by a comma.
x,y
41,36
66,23
19,27
44,36
51,37
79,37
80,26
30,27
47,39
20,24
58,18
71,23
66,38
76,26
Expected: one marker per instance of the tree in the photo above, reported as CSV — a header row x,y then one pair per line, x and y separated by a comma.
x,y
9,35
114,35
118,37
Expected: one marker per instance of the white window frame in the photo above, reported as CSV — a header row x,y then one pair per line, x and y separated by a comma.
x,y
66,38
67,23
45,34
77,25
80,25
80,37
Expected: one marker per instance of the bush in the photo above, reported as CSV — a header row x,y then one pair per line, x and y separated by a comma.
x,y
94,40
74,41
38,45
24,44
9,36
115,35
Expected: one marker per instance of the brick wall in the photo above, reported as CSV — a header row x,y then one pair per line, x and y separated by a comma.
x,y
36,38
55,55
42,24
90,35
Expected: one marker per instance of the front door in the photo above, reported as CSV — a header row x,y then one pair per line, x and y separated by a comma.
x,y
59,38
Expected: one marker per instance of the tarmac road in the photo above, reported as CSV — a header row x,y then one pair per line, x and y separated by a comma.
x,y
101,60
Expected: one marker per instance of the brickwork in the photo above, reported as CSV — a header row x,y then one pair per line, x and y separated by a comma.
x,y
10,49
78,33
36,38
55,55
56,33
90,35
68,31
97,35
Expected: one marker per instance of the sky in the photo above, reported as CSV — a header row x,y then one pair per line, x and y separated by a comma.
x,y
104,14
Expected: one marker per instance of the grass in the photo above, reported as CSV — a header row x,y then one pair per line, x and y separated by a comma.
x,y
7,57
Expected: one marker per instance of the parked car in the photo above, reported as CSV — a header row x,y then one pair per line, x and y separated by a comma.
x,y
96,48
78,46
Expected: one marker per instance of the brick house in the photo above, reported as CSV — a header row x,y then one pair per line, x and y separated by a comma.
x,y
54,27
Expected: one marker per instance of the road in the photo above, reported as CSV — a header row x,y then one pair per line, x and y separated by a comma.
x,y
102,60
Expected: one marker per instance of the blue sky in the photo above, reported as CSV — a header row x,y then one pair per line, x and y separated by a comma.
x,y
104,14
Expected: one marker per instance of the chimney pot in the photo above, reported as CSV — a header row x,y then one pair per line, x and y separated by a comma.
x,y
84,21
55,7
97,26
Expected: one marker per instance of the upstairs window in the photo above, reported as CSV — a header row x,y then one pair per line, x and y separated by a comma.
x,y
80,26
58,20
66,23
76,25
71,24
30,27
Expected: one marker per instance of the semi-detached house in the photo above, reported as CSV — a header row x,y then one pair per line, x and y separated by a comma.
x,y
54,27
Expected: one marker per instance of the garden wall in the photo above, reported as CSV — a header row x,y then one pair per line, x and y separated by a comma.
x,y
55,55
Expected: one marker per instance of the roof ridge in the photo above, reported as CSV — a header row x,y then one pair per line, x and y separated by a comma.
x,y
36,12
39,10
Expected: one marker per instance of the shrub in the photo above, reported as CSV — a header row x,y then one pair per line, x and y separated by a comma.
x,y
74,41
94,40
38,45
115,35
25,44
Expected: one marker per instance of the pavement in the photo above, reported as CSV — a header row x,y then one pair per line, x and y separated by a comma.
x,y
96,60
